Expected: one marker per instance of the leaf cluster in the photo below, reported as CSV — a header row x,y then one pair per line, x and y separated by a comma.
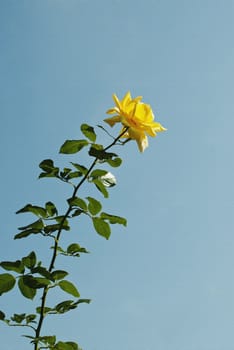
x,y
50,342
43,223
28,273
31,276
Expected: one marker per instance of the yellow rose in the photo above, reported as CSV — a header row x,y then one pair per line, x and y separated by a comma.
x,y
137,116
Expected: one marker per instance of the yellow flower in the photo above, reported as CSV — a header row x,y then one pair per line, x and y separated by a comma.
x,y
135,115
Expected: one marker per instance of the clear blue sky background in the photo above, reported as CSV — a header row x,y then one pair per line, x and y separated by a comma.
x,y
166,282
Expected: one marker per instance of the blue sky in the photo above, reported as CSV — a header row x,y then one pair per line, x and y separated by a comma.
x,y
166,281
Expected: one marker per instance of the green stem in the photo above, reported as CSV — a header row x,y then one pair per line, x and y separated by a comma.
x,y
55,248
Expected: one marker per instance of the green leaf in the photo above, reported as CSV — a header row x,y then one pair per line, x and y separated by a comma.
x,y
2,315
65,306
46,310
26,233
94,206
40,282
59,274
7,282
69,287
30,318
98,152
73,175
48,340
59,249
86,301
68,305
73,146
37,225
102,227
101,188
16,266
47,165
114,219
73,345
41,271
35,282
66,346
77,212
75,248
115,162
33,228
88,131
65,172
98,173
49,169
34,209
48,229
18,318
25,290
51,209
77,202
51,174
30,260
81,168
61,218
